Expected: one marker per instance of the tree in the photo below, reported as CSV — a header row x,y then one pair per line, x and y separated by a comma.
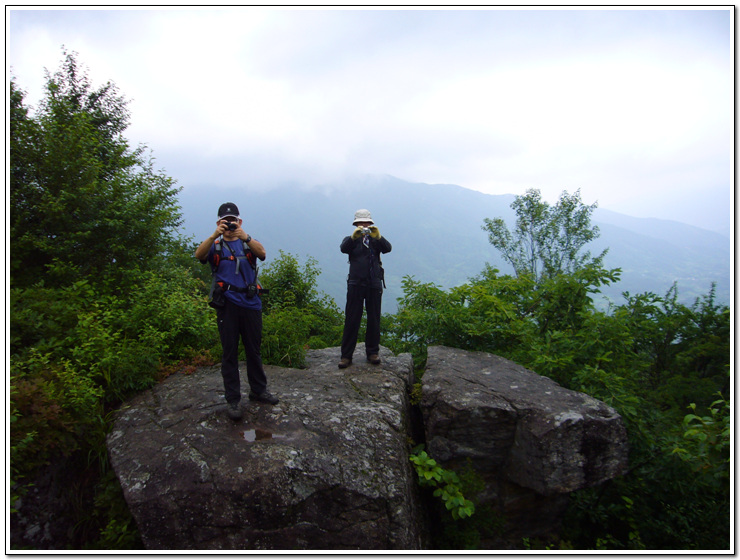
x,y
85,205
102,299
296,315
643,358
546,241
25,142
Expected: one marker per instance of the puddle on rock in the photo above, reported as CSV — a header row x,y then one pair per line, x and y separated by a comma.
x,y
258,434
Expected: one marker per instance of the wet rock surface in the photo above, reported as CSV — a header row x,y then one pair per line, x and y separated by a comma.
x,y
326,468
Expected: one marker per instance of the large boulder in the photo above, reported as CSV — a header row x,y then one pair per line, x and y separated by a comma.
x,y
327,468
531,440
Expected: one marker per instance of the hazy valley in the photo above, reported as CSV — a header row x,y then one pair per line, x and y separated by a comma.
x,y
436,235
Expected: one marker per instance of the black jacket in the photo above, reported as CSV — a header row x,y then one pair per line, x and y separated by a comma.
x,y
364,262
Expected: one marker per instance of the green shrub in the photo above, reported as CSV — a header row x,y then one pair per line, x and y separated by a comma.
x,y
296,316
285,333
445,482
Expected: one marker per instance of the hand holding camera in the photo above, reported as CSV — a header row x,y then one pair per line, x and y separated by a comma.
x,y
231,225
361,231
225,226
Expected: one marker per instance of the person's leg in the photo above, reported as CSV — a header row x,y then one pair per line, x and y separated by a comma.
x,y
228,329
352,319
372,336
251,333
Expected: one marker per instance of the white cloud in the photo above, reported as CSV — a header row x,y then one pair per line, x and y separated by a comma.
x,y
615,102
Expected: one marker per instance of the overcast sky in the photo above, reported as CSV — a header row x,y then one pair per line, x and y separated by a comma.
x,y
634,107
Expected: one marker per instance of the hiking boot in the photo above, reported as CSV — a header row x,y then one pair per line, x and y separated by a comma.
x,y
345,362
265,397
234,410
373,359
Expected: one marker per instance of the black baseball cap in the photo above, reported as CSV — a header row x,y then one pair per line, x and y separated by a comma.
x,y
228,209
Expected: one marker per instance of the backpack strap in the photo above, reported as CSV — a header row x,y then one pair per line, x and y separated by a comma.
x,y
219,252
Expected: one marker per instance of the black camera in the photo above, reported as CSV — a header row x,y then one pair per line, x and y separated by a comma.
x,y
232,226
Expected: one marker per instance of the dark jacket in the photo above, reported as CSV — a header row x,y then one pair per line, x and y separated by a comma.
x,y
364,262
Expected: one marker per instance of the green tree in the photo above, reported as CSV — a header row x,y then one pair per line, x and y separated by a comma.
x,y
685,348
25,142
546,240
84,203
644,358
103,302
289,285
703,342
296,315
496,313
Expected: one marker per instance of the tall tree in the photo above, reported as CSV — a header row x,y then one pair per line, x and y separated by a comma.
x,y
546,240
24,146
85,205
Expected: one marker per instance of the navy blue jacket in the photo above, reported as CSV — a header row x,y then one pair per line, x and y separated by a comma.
x,y
364,262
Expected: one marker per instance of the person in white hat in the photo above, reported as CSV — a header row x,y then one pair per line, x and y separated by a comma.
x,y
364,286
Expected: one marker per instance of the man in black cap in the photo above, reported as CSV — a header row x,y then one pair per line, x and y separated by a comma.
x,y
364,286
232,254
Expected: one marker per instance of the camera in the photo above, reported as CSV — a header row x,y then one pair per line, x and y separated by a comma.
x,y
232,226
366,231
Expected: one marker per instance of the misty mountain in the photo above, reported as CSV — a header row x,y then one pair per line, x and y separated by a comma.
x,y
436,233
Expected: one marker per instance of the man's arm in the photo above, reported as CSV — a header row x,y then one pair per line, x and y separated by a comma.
x,y
383,245
257,248
347,244
201,253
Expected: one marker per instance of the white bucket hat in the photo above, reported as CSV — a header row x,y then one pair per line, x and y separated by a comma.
x,y
362,216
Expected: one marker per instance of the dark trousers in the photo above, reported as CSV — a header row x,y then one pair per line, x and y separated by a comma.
x,y
357,296
235,322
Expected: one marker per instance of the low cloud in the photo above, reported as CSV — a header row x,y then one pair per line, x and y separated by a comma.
x,y
623,104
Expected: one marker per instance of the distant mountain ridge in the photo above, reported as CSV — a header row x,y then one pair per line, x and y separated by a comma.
x,y
436,233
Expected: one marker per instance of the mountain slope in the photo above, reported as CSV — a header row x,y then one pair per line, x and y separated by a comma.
x,y
436,235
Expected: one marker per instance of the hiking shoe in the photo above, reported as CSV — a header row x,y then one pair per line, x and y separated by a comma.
x,y
373,359
265,397
234,410
345,362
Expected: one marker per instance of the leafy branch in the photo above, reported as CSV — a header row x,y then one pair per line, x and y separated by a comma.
x,y
706,441
447,483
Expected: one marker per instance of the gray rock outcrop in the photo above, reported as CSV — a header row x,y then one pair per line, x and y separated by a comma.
x,y
532,441
327,468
